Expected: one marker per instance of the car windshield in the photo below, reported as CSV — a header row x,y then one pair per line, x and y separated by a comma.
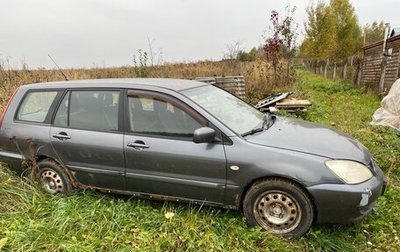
x,y
237,115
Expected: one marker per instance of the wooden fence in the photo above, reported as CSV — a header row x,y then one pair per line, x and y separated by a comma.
x,y
346,69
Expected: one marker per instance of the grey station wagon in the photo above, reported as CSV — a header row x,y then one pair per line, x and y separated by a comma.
x,y
188,141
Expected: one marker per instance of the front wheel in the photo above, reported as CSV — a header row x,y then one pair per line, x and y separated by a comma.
x,y
279,206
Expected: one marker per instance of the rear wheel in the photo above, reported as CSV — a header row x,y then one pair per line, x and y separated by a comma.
x,y
279,206
53,178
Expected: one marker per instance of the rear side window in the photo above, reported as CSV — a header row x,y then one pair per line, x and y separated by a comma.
x,y
89,110
35,106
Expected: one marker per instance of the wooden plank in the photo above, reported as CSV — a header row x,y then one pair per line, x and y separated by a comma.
x,y
292,102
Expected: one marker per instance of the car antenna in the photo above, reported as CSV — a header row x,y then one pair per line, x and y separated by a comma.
x,y
65,76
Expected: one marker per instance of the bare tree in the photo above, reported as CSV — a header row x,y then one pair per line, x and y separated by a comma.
x,y
154,57
232,50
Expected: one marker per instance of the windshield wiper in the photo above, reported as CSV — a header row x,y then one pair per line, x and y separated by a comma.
x,y
268,121
258,129
253,131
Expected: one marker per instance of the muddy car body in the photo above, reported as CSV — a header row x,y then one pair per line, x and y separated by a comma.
x,y
188,141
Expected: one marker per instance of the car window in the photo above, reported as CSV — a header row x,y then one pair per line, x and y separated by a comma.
x,y
35,106
230,110
91,110
156,116
61,117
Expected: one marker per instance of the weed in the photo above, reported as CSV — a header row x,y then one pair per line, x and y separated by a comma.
x,y
141,69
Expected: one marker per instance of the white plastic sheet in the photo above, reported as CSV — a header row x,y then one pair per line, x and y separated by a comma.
x,y
389,113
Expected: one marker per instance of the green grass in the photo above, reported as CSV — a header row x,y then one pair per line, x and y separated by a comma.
x,y
31,220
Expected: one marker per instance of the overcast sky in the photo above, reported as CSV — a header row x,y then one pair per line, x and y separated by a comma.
x,y
87,33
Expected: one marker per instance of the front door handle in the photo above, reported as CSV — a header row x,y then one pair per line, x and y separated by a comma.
x,y
62,136
138,145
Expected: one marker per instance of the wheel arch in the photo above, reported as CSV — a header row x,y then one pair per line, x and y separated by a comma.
x,y
67,171
42,157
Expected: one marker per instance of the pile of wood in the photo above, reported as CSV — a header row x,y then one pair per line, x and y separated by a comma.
x,y
281,101
233,84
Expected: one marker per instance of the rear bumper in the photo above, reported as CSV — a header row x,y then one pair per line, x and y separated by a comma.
x,y
342,203
12,160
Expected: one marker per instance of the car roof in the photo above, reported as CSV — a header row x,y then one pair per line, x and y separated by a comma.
x,y
172,84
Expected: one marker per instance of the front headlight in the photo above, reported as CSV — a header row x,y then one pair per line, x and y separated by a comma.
x,y
350,172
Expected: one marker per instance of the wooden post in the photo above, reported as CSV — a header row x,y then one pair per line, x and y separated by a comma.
x,y
382,79
345,71
320,68
358,81
359,72
326,68
334,70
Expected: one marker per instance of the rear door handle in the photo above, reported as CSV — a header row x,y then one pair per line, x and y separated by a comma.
x,y
138,145
62,136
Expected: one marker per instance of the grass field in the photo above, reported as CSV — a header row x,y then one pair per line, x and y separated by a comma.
x,y
31,220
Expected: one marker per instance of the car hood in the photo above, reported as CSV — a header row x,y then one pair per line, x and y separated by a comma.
x,y
302,136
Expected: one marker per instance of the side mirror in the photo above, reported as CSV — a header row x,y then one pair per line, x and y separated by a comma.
x,y
204,135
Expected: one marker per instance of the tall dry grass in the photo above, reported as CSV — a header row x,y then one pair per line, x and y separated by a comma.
x,y
257,75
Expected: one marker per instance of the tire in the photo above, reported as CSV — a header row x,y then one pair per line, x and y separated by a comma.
x,y
279,206
53,178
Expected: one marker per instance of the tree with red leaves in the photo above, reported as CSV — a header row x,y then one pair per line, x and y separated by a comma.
x,y
281,42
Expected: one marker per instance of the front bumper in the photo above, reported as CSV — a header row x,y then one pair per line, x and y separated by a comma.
x,y
342,203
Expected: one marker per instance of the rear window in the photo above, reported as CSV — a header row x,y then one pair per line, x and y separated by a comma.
x,y
89,110
35,106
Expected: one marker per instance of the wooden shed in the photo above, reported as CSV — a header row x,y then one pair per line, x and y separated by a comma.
x,y
380,70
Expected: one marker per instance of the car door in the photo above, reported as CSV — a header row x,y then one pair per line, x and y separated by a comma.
x,y
85,135
161,157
